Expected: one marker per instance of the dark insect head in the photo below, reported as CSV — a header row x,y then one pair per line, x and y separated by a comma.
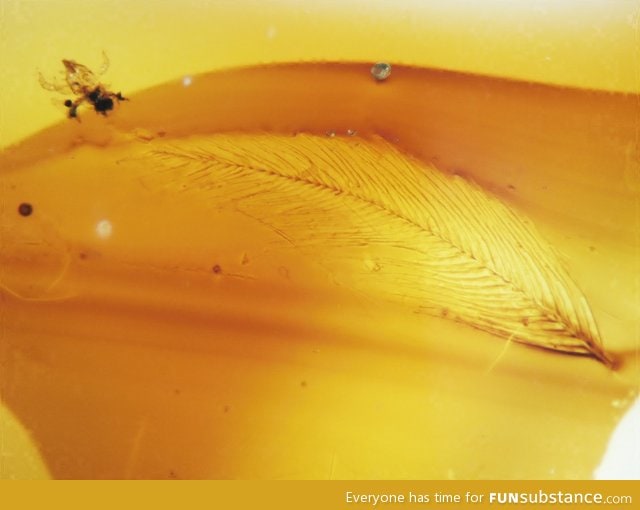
x,y
68,103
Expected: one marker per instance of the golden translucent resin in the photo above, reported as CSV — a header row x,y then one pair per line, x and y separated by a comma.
x,y
174,308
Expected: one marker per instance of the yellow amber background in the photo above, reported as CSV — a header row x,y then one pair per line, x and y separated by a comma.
x,y
129,357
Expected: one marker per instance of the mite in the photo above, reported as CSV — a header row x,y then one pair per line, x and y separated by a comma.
x,y
84,84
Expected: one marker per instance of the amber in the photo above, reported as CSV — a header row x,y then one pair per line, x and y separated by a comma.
x,y
148,334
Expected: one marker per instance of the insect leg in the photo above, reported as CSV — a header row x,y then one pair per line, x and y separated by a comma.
x,y
73,108
117,95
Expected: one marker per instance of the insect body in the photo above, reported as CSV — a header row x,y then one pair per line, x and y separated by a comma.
x,y
84,84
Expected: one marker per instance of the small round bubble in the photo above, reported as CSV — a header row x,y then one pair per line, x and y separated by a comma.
x,y
381,71
104,229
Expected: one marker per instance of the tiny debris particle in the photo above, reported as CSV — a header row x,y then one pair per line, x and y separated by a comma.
x,y
216,269
381,71
283,271
25,209
352,132
331,134
143,134
372,265
226,409
303,384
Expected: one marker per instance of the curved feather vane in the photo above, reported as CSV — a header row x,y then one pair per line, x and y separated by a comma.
x,y
396,227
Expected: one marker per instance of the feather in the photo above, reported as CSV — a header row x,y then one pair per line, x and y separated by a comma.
x,y
390,225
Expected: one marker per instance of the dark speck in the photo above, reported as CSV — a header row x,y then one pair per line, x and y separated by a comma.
x,y
525,321
216,269
226,409
592,248
511,187
25,209
82,255
303,384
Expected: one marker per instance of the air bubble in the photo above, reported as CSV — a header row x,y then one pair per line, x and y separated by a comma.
x,y
271,32
619,403
104,229
381,71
